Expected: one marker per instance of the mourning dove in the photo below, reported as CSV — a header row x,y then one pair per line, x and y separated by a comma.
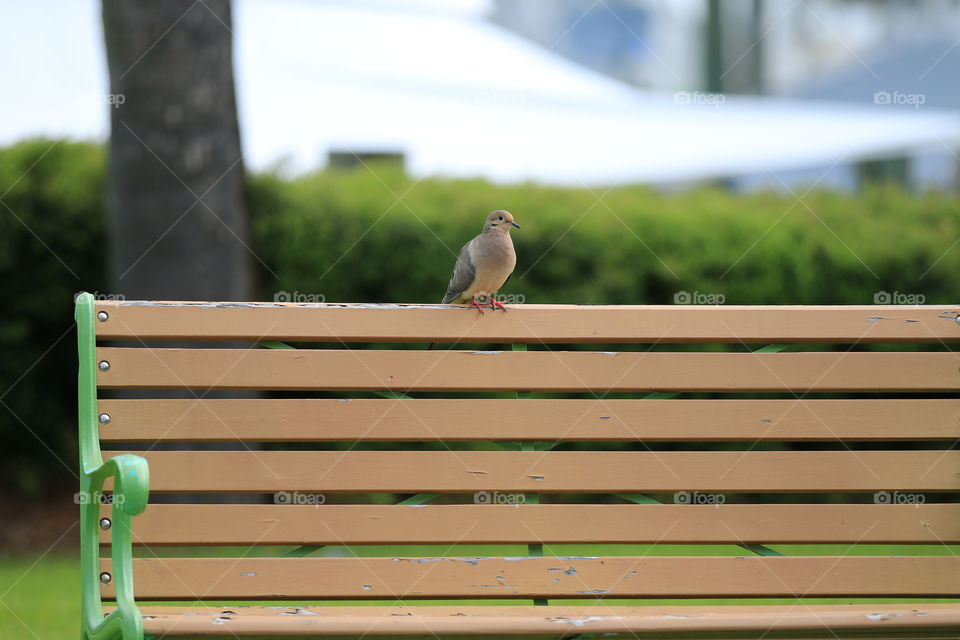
x,y
484,263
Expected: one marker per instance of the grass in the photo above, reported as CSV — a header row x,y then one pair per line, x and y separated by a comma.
x,y
40,598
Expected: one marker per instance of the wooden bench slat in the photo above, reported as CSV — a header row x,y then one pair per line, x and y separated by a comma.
x,y
189,524
526,323
359,420
551,472
652,622
527,577
458,370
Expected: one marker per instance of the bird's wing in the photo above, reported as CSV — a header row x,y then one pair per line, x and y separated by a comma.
x,y
463,276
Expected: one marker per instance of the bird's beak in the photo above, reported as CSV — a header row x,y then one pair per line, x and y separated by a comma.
x,y
515,225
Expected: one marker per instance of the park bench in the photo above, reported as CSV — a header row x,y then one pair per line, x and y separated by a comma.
x,y
726,472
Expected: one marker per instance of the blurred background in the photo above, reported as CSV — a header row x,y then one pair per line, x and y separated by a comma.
x,y
691,151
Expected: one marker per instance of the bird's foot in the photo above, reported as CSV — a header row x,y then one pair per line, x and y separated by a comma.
x,y
477,305
496,305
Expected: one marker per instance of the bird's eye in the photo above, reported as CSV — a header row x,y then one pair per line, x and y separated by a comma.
x,y
500,218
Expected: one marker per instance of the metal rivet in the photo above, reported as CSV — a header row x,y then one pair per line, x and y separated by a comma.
x,y
102,316
104,418
104,365
105,578
105,523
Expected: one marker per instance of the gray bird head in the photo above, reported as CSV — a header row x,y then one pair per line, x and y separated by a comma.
x,y
499,221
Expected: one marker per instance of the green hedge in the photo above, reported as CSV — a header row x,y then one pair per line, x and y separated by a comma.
x,y
347,236
52,244
379,236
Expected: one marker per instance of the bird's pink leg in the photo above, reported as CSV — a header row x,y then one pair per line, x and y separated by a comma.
x,y
496,305
477,305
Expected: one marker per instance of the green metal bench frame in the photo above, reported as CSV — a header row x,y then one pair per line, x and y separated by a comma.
x,y
131,488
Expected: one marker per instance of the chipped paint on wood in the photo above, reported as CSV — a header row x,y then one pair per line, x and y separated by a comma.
x,y
298,611
882,616
470,561
579,622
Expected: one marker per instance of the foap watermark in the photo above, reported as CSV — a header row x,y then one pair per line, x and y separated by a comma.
x,y
298,296
115,100
898,297
696,497
296,497
503,298
698,97
102,297
485,497
898,497
899,98
96,497
698,297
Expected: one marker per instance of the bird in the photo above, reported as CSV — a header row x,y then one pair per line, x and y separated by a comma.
x,y
484,264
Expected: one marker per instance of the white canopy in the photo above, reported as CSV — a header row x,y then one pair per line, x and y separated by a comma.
x,y
458,95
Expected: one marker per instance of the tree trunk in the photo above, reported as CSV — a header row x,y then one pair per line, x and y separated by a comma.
x,y
176,196
178,219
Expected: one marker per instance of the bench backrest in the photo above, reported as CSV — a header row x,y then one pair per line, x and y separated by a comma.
x,y
538,446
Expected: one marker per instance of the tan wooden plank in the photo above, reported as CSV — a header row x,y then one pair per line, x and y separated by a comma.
x,y
290,524
290,632
571,577
777,621
314,420
551,472
461,370
526,323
